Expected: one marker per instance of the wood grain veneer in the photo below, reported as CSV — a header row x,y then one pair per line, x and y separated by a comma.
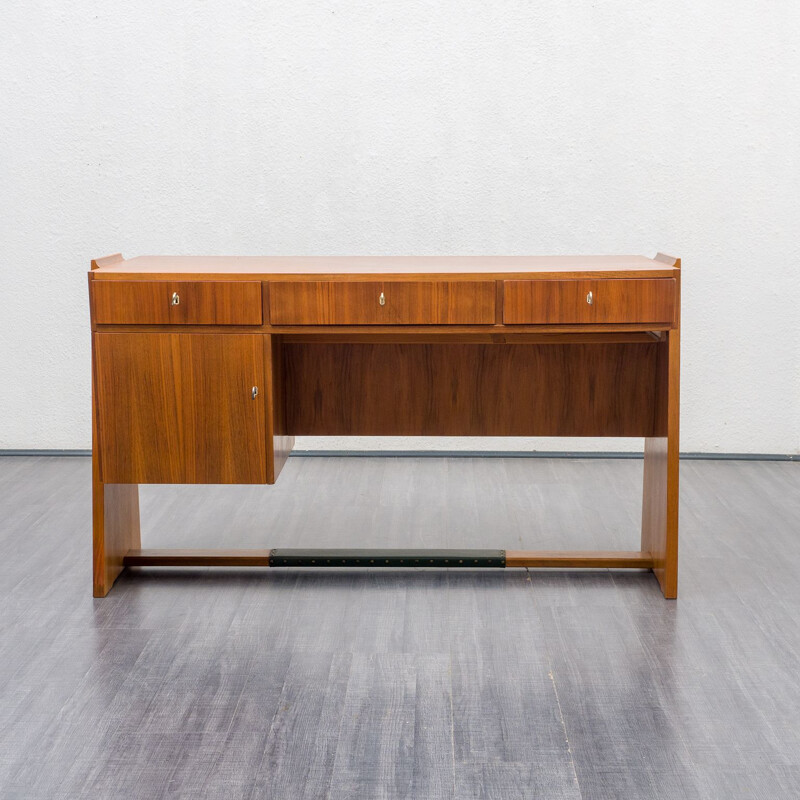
x,y
382,303
279,441
661,464
370,389
115,513
447,346
199,302
660,498
567,301
178,408
368,267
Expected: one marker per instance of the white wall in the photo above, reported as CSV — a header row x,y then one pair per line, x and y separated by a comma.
x,y
424,126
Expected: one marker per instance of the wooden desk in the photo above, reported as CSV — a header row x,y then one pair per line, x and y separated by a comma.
x,y
204,369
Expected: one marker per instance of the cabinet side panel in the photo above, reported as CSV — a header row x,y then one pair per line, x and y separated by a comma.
x,y
279,443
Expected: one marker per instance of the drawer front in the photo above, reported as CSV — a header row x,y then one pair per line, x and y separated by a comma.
x,y
559,302
177,302
382,303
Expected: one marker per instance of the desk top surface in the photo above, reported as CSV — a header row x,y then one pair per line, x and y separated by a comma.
x,y
267,267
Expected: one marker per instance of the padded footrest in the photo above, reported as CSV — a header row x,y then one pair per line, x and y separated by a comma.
x,y
283,557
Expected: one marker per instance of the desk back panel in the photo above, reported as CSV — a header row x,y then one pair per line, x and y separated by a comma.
x,y
343,389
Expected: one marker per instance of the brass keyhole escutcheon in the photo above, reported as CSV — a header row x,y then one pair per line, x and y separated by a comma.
x,y
176,299
382,299
589,298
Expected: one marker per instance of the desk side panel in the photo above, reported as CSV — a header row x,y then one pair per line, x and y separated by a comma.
x,y
661,471
115,514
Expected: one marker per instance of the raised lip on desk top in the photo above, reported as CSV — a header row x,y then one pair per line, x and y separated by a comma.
x,y
372,267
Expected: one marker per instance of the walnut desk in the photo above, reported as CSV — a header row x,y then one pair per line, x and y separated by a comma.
x,y
204,369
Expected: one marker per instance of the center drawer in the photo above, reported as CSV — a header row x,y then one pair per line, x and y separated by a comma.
x,y
382,302
177,302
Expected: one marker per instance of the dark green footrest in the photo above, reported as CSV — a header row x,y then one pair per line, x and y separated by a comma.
x,y
283,557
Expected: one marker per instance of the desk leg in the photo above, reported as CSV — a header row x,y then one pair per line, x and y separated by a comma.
x,y
661,462
115,518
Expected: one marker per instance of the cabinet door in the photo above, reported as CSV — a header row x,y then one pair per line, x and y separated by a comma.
x,y
179,408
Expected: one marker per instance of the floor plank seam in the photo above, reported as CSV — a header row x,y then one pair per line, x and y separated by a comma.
x,y
564,728
551,675
450,693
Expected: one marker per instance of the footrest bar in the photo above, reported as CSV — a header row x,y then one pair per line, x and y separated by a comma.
x,y
577,559
283,557
196,558
337,557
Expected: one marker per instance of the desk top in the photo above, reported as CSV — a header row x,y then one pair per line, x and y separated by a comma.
x,y
272,267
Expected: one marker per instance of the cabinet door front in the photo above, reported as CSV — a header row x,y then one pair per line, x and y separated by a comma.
x,y
181,408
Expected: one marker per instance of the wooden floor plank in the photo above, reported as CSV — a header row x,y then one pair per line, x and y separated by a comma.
x,y
438,684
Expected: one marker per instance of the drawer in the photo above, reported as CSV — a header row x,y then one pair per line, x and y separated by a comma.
x,y
558,302
382,302
177,302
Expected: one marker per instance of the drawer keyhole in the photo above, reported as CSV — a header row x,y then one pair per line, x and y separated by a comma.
x,y
176,299
382,299
589,298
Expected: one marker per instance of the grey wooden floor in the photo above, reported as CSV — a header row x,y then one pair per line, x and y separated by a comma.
x,y
497,684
